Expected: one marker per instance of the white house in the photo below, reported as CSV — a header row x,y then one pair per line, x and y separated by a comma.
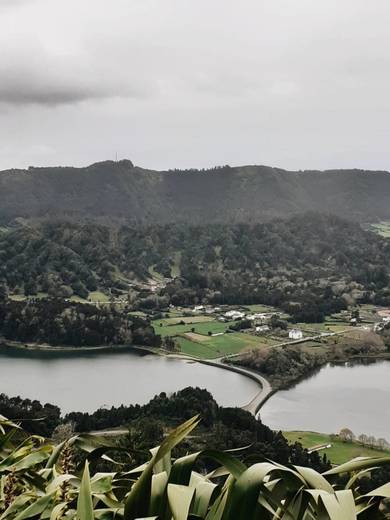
x,y
235,315
258,316
262,328
295,334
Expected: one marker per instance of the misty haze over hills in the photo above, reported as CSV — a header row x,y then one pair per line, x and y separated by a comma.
x,y
121,190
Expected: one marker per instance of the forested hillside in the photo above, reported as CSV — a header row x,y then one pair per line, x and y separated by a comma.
x,y
119,190
60,322
224,428
309,264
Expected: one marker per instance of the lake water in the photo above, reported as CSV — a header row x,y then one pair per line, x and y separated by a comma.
x,y
86,381
354,396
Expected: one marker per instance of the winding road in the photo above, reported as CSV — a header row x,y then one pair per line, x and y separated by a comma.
x,y
253,407
262,395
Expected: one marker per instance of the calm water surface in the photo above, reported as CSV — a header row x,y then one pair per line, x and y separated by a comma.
x,y
87,381
353,396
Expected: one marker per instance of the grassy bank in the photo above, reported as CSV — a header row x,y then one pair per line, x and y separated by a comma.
x,y
339,452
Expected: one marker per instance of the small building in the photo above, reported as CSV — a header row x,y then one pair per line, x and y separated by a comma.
x,y
260,329
259,316
295,334
235,315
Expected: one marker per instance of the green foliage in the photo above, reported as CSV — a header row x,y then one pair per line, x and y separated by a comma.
x,y
310,265
37,481
222,428
283,364
60,322
223,194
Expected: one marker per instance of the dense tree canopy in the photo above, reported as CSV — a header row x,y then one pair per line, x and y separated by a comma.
x,y
310,265
59,322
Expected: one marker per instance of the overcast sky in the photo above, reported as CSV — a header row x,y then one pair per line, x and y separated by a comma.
x,y
180,83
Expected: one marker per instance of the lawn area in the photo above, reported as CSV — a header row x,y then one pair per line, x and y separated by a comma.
x,y
187,319
175,269
98,296
200,350
339,452
217,346
22,297
259,308
158,277
202,327
78,299
200,344
327,326
17,297
339,328
317,327
383,228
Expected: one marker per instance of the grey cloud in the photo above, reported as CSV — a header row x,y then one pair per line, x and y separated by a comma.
x,y
193,83
17,94
43,79
47,91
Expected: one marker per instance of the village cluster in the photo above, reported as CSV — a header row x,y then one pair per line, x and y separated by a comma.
x,y
259,321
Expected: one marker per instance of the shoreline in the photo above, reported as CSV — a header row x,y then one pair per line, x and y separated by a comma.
x,y
267,386
253,406
290,383
43,347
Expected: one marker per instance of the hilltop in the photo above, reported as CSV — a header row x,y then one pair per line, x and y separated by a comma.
x,y
119,190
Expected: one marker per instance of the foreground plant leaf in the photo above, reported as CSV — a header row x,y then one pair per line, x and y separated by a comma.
x,y
84,503
137,503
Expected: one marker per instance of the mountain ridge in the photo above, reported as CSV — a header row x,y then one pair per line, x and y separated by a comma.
x,y
250,193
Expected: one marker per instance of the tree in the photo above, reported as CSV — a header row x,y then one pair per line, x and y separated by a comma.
x,y
30,287
363,439
170,344
346,435
382,443
277,323
3,292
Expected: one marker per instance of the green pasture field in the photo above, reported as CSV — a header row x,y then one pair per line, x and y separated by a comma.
x,y
187,319
202,327
98,296
218,346
259,308
339,452
175,269
383,228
